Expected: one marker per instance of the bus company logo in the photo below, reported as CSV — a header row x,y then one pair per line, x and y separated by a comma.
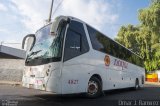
x,y
121,63
107,60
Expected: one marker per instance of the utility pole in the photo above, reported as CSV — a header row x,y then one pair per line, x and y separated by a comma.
x,y
1,45
50,14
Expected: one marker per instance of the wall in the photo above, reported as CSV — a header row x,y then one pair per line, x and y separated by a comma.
x,y
18,53
11,69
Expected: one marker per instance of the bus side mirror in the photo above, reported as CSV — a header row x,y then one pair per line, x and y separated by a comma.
x,y
28,42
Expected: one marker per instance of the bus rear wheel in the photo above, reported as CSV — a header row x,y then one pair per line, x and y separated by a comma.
x,y
94,89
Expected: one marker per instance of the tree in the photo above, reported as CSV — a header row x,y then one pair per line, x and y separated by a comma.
x,y
144,40
128,36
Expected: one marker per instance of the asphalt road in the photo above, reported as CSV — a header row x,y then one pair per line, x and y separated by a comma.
x,y
19,96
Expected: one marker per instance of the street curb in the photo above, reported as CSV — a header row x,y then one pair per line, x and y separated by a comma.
x,y
153,83
20,83
10,83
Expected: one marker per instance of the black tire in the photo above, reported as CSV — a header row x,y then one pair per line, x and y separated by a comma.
x,y
136,85
94,89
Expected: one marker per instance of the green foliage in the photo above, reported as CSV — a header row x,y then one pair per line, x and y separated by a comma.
x,y
144,39
127,36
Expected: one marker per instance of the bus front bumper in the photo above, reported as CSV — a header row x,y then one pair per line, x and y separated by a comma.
x,y
41,84
34,83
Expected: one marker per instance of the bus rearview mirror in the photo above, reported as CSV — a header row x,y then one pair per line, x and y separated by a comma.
x,y
28,42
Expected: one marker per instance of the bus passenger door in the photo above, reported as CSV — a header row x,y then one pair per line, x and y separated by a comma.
x,y
74,49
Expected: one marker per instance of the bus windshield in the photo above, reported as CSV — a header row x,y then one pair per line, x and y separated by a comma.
x,y
47,48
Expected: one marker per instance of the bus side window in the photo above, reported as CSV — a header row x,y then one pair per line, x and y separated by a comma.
x,y
76,41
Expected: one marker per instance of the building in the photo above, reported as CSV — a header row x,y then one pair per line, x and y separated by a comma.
x,y
11,53
11,63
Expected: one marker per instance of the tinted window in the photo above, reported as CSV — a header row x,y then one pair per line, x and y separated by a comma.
x,y
76,42
104,44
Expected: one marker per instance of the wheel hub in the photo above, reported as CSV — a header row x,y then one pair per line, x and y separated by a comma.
x,y
92,87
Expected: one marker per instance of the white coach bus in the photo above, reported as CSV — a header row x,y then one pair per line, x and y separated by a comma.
x,y
69,56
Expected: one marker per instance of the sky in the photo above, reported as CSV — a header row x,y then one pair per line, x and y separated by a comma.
x,y
21,17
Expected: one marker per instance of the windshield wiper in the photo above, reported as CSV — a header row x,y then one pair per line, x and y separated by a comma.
x,y
28,60
39,57
34,53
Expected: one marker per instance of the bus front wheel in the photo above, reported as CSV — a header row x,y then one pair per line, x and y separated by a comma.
x,y
94,88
